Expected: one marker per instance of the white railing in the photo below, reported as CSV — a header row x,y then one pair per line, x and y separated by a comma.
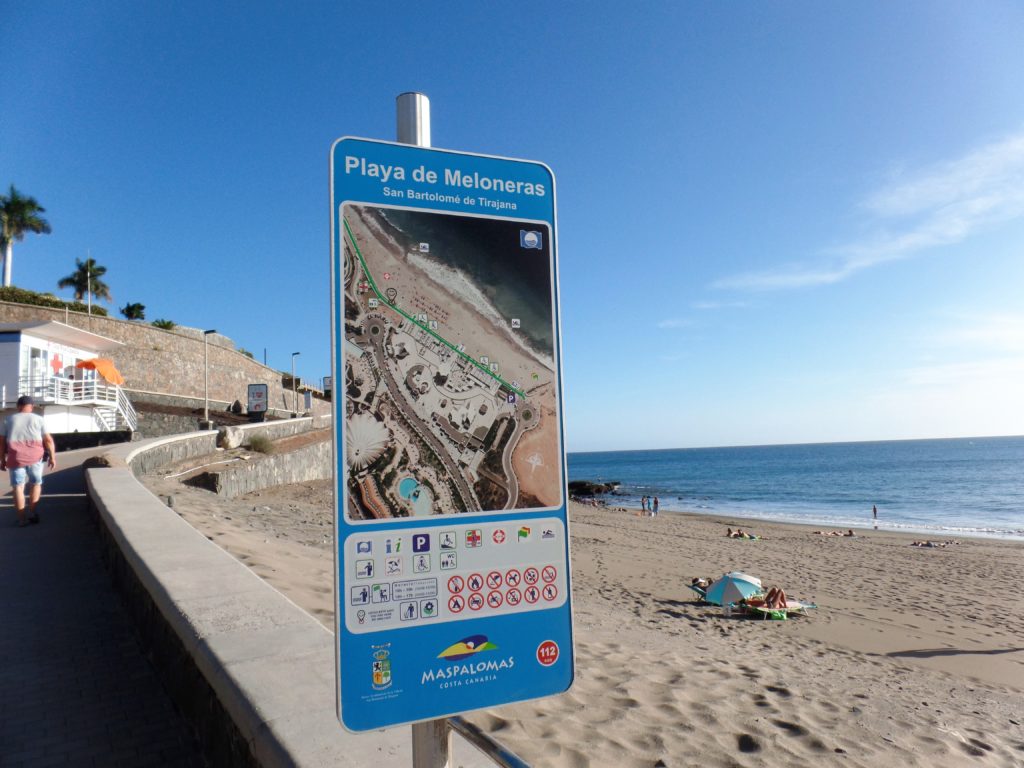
x,y
125,408
105,397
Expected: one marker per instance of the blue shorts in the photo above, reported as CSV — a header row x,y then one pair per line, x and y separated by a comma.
x,y
33,472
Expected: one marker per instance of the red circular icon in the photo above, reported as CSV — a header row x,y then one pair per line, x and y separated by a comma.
x,y
513,597
476,601
455,584
494,599
498,536
531,575
512,577
532,594
547,653
475,582
456,604
549,573
494,579
550,592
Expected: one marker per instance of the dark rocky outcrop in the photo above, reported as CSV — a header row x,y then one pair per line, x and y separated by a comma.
x,y
587,488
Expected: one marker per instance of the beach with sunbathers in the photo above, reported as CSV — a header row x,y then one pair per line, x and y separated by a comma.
x,y
911,658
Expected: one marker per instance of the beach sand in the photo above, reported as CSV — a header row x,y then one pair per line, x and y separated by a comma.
x,y
915,657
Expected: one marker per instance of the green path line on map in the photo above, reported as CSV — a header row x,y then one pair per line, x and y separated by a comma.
x,y
417,323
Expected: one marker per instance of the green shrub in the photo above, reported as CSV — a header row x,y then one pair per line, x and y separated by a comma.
x,y
261,444
17,295
167,325
247,353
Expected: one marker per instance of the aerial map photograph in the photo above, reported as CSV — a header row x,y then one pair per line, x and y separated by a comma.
x,y
450,387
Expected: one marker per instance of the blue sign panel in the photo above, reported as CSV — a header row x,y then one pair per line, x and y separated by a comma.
x,y
452,539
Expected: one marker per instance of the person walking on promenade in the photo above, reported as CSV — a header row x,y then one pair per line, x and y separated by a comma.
x,y
654,507
23,443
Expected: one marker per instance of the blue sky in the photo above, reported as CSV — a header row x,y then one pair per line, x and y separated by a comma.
x,y
777,222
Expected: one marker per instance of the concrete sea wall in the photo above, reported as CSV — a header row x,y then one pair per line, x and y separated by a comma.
x,y
251,670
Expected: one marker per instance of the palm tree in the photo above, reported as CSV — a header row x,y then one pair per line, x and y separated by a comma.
x,y
18,215
86,280
134,311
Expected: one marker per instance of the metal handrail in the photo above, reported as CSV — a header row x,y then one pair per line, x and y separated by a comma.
x,y
501,755
62,391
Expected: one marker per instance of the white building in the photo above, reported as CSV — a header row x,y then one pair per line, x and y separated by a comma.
x,y
42,358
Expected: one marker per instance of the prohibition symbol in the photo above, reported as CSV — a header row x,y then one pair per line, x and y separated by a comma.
x,y
456,603
494,599
476,601
549,573
513,597
494,579
550,592
531,575
512,577
532,595
455,584
475,582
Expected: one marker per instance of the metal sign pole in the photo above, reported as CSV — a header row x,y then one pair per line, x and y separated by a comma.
x,y
432,740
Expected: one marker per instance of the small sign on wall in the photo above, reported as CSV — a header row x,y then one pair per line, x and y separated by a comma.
x,y
258,398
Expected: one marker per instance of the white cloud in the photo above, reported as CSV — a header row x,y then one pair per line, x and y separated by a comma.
x,y
675,322
999,333
936,206
708,305
979,374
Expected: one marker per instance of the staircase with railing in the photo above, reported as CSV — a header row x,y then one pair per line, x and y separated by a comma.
x,y
111,408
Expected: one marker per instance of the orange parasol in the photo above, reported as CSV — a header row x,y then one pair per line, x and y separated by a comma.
x,y
104,368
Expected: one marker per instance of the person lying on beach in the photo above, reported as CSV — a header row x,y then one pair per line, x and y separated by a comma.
x,y
739,533
776,598
836,533
928,544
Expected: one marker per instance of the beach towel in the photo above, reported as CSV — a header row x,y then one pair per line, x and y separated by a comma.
x,y
792,607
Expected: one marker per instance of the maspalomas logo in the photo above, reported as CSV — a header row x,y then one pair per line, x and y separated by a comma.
x,y
472,671
467,647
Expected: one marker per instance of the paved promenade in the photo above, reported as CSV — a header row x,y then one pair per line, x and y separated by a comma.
x,y
75,687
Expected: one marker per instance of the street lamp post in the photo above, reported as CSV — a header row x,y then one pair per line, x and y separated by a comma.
x,y
206,377
295,391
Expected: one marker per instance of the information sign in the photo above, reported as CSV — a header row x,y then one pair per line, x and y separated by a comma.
x,y
448,434
257,398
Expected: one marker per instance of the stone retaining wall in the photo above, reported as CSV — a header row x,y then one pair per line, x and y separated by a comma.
x,y
172,362
311,462
149,455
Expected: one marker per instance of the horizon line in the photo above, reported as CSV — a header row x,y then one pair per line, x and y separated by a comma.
x,y
798,444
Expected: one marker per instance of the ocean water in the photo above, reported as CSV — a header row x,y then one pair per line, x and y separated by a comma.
x,y
965,487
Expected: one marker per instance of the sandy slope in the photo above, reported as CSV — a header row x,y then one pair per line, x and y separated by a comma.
x,y
915,657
